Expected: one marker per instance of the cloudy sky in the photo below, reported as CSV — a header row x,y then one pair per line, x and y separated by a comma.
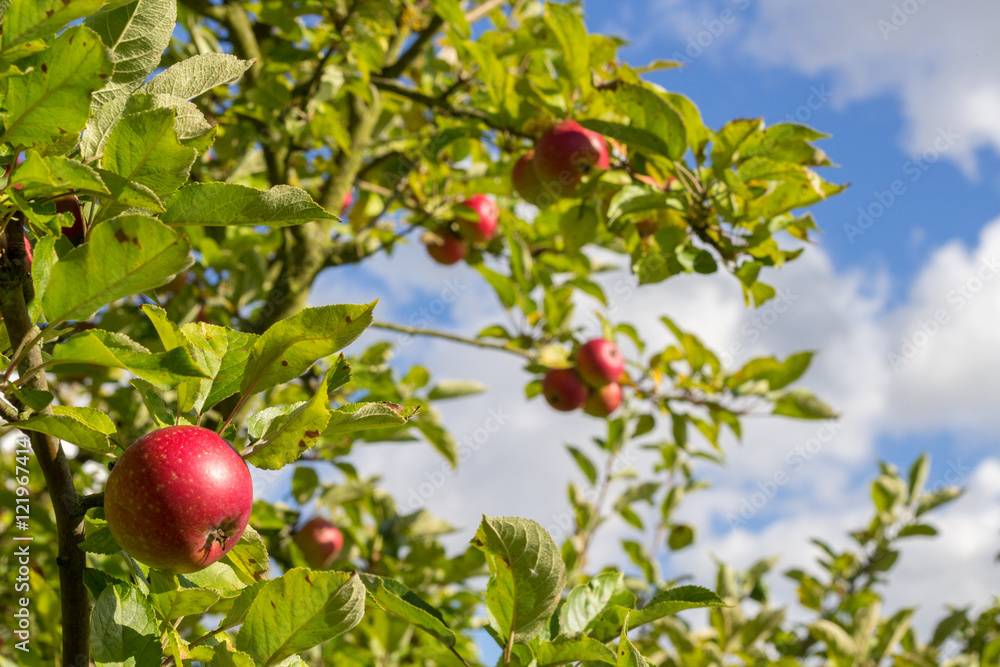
x,y
907,266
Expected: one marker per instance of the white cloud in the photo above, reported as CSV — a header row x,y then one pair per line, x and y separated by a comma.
x,y
800,480
940,59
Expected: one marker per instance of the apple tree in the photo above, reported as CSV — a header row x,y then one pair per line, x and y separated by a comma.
x,y
178,176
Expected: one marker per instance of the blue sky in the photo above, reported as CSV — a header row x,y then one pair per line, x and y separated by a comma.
x,y
918,283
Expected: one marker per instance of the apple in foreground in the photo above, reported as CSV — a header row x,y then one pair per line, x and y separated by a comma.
x,y
567,152
320,542
602,402
178,499
600,362
564,390
446,248
72,205
478,217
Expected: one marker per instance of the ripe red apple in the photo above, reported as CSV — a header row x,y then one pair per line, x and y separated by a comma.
x,y
565,153
320,542
563,389
527,183
446,248
178,499
72,205
600,362
346,201
29,255
477,219
7,169
602,402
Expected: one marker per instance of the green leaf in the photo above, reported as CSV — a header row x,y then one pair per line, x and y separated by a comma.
x,y
189,121
305,480
665,603
223,354
115,350
137,34
837,640
124,255
129,193
50,176
354,417
586,601
41,273
198,74
224,657
528,575
144,148
565,22
241,605
635,198
681,535
727,141
99,539
397,599
505,288
585,464
249,557
34,20
87,428
52,101
653,121
802,404
285,433
299,610
628,655
173,603
291,346
224,204
576,649
429,424
154,403
451,12
446,389
123,629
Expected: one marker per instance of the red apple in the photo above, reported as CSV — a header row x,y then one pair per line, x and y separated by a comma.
x,y
346,201
600,362
72,205
320,542
178,499
7,169
647,227
526,181
478,217
563,389
29,256
446,248
566,153
602,402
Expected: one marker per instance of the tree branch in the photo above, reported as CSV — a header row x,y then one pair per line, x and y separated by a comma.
x,y
441,104
394,70
415,331
52,461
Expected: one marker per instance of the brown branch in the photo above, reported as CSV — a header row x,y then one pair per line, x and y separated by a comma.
x,y
432,333
441,104
397,68
52,461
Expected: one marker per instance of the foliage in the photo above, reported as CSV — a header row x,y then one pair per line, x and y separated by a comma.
x,y
212,146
